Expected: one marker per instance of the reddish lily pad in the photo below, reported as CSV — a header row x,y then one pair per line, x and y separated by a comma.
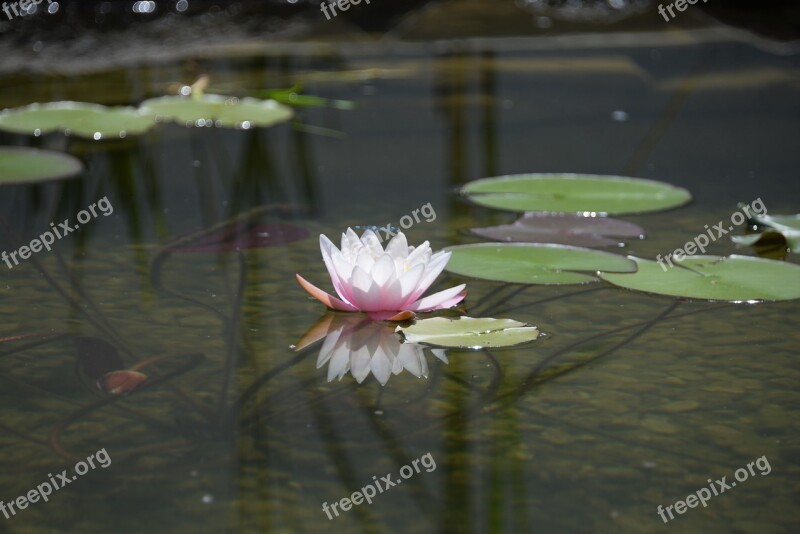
x,y
563,229
121,382
245,235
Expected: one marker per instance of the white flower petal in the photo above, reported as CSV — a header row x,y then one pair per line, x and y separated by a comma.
x,y
392,295
398,247
365,260
383,271
432,271
372,243
366,293
409,281
435,301
421,254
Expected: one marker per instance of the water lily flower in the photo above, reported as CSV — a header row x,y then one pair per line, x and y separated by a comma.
x,y
368,278
356,345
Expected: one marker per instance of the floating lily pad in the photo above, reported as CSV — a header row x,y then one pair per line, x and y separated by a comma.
x,y
217,110
781,231
469,332
523,263
733,278
779,222
76,118
575,193
30,165
293,97
564,229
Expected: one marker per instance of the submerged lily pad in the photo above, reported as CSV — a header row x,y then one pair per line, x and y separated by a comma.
x,y
78,118
523,263
97,357
243,235
564,229
733,278
469,332
29,165
575,193
217,110
771,241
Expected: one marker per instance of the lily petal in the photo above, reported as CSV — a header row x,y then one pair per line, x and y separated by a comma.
x,y
325,298
441,300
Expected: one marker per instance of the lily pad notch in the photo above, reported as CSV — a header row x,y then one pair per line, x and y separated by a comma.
x,y
534,263
733,279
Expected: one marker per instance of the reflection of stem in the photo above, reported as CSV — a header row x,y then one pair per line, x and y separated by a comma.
x,y
253,388
340,458
557,297
233,331
392,444
514,395
105,326
9,430
642,328
158,262
106,329
55,435
499,292
46,338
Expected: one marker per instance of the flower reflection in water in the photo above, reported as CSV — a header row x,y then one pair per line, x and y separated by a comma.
x,y
356,344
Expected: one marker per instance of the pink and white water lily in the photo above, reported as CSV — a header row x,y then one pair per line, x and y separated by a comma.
x,y
369,279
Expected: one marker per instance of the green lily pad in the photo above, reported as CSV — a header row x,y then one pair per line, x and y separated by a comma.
x,y
217,110
31,165
524,263
469,332
734,278
575,193
76,118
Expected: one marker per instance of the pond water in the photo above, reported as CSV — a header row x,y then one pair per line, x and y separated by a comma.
x,y
627,402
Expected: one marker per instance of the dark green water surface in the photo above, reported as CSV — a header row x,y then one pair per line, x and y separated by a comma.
x,y
629,402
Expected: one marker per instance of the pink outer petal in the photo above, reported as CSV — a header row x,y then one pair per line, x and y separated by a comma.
x,y
441,300
325,298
